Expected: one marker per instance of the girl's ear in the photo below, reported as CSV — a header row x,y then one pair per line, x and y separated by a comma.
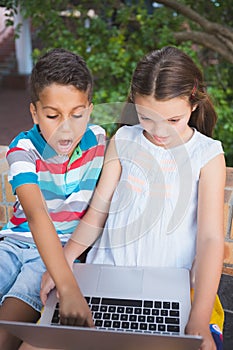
x,y
194,107
33,113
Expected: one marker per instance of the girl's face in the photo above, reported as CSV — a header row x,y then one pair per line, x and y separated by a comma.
x,y
62,114
165,123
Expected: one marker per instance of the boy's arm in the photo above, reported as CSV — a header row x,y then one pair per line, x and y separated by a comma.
x,y
92,223
50,249
210,247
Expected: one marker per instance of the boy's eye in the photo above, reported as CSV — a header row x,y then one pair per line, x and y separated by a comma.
x,y
77,116
52,116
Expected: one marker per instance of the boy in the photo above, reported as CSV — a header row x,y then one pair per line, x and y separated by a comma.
x,y
54,168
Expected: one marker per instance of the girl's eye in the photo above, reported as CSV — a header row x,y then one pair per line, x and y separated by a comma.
x,y
174,120
143,117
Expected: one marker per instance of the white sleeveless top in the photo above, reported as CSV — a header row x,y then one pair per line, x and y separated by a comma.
x,y
153,214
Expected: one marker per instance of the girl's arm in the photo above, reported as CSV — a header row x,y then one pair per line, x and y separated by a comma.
x,y
50,249
210,248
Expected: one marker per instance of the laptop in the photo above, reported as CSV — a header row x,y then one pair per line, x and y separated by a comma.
x,y
132,308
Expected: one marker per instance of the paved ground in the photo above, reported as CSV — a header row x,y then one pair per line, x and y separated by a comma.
x,y
15,117
14,113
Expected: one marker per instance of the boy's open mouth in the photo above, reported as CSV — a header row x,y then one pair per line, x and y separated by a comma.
x,y
64,146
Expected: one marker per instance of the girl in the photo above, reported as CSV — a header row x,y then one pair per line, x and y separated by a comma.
x,y
161,192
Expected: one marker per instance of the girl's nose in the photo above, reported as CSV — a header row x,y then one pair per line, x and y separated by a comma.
x,y
159,129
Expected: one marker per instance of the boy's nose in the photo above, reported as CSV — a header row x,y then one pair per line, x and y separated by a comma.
x,y
65,124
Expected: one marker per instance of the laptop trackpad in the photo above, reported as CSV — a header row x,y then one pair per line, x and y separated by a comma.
x,y
132,278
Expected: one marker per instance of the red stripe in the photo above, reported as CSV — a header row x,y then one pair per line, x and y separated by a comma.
x,y
87,156
52,168
66,216
14,149
17,221
59,217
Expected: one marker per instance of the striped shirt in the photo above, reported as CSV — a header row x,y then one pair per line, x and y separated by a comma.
x,y
67,184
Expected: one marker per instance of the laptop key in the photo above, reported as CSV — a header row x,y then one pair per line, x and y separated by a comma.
x,y
125,325
152,327
124,317
161,328
148,303
132,318
150,319
175,306
98,323
143,326
166,305
120,309
173,329
108,324
172,320
174,313
115,317
134,325
116,324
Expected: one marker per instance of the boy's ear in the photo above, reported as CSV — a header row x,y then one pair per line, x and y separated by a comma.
x,y
33,113
90,109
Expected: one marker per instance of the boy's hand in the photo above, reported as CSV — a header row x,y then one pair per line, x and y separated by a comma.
x,y
74,310
196,328
47,285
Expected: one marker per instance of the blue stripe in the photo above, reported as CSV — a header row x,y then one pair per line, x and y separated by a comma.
x,y
88,140
88,184
22,179
21,228
38,141
49,195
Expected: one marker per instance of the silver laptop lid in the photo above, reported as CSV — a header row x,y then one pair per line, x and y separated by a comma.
x,y
73,338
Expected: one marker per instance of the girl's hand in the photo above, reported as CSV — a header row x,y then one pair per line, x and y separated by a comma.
x,y
47,285
196,328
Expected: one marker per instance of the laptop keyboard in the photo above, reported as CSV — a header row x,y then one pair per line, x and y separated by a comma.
x,y
132,315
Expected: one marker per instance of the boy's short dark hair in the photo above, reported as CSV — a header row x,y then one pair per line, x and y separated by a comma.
x,y
62,67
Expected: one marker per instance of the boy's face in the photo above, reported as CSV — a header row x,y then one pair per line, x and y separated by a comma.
x,y
62,114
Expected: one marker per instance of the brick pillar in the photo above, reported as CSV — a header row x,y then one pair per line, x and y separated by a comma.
x,y
6,197
228,223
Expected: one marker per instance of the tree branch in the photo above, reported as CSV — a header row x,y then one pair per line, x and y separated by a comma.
x,y
206,40
209,27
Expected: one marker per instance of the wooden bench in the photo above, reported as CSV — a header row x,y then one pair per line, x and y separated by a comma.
x,y
7,199
226,283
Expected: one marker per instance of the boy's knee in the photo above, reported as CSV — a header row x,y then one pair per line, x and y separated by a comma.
x,y
8,341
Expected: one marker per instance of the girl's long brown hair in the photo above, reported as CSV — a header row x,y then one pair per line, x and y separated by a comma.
x,y
170,73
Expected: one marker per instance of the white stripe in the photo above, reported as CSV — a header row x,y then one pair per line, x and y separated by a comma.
x,y
16,168
74,174
57,204
26,144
